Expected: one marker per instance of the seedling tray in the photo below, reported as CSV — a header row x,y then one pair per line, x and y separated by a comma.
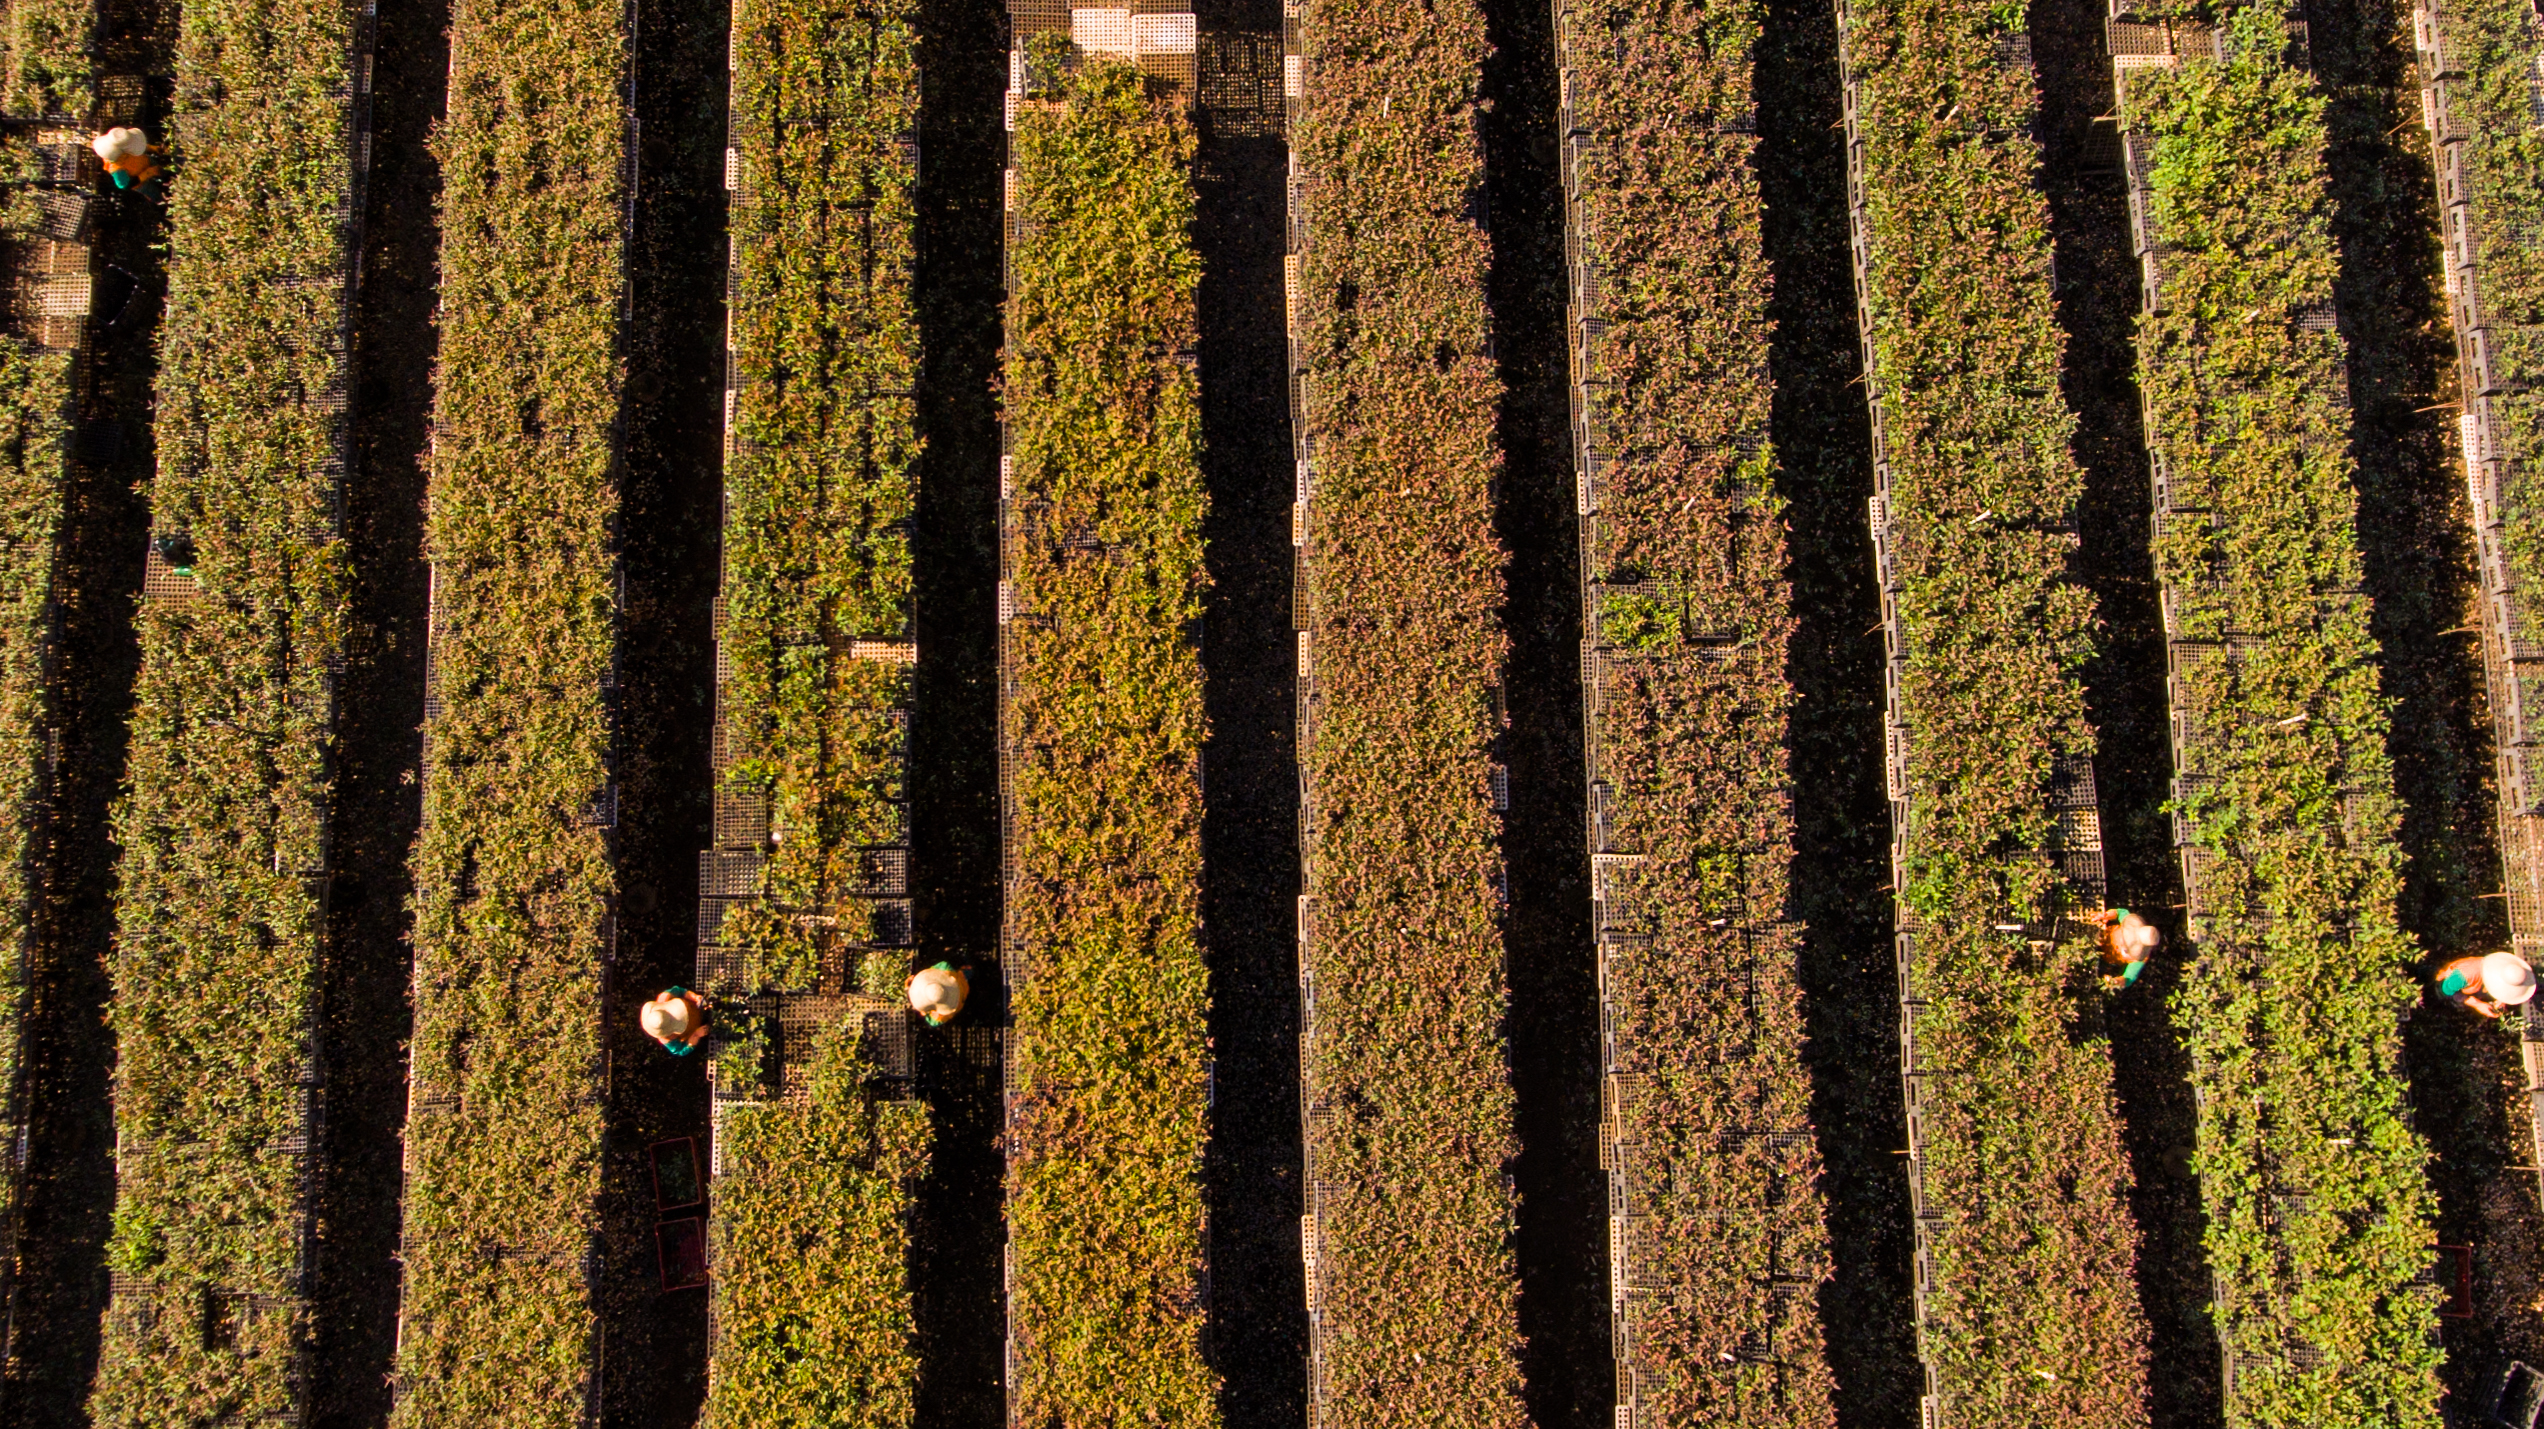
x,y
676,1180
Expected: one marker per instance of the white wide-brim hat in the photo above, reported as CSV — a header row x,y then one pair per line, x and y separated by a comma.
x,y
667,1019
2140,937
2506,978
934,991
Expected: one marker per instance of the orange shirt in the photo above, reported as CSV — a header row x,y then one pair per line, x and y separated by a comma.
x,y
141,166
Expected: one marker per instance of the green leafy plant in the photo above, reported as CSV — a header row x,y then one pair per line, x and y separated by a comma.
x,y
2030,1315
1690,740
48,63
512,873
1404,1062
821,481
812,1293
812,1254
223,815
2318,1210
1110,993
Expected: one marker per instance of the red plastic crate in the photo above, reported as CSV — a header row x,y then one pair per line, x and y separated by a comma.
x,y
682,1247
2455,1277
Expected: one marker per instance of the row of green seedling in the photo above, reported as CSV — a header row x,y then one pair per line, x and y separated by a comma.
x,y
1100,735
515,888
2318,1212
1412,1291
805,918
2480,93
1717,1240
2025,1247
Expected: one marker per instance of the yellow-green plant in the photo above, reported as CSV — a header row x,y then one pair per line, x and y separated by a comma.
x,y
821,481
1111,997
2318,1208
512,868
222,823
812,1254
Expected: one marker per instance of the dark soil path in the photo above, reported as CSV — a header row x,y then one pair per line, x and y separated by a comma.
x,y
653,1358
1569,1363
1250,840
70,1051
1841,870
379,715
961,1235
2098,287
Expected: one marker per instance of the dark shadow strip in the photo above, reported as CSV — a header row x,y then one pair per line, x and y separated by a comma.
x,y
960,1238
1841,872
653,1350
1569,1362
379,716
1250,847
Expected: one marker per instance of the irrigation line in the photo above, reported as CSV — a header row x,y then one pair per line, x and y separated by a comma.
x,y
2074,803
2512,642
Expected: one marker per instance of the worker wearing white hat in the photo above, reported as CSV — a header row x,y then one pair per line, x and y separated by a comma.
x,y
2489,985
2127,942
677,1019
126,153
939,992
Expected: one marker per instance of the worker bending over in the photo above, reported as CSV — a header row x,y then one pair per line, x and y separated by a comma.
x,y
677,1019
2127,942
128,157
939,992
2488,985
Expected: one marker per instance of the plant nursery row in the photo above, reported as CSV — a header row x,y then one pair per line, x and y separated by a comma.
x,y
815,1176
514,885
1714,1174
1412,1292
2025,1288
227,789
2027,1305
47,70
2479,91
1101,678
2318,1208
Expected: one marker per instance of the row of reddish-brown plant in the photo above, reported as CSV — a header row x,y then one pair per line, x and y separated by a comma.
x,y
1710,1103
1407,1080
